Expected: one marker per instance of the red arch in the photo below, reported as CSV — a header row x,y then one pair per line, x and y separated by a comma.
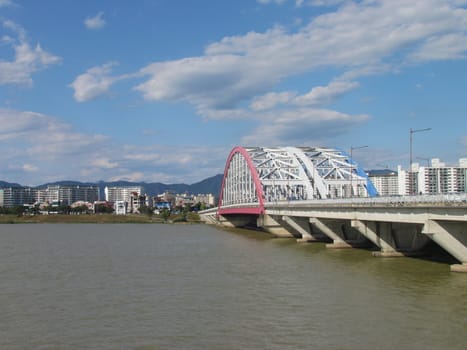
x,y
256,180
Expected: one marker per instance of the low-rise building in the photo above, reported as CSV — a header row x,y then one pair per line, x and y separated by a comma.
x,y
207,199
120,207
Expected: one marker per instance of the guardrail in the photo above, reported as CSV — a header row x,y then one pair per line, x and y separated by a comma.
x,y
459,199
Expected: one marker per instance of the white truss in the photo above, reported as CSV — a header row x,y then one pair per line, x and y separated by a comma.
x,y
293,173
239,187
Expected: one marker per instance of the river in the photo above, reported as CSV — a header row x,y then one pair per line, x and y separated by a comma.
x,y
151,287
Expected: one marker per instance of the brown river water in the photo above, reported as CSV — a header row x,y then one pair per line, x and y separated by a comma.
x,y
148,287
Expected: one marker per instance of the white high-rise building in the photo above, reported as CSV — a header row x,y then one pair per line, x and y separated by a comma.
x,y
385,181
16,196
121,193
435,179
68,194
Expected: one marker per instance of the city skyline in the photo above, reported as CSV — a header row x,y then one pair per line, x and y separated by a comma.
x,y
161,91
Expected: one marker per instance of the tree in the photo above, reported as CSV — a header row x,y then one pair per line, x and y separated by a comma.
x,y
143,209
18,210
103,209
165,214
64,209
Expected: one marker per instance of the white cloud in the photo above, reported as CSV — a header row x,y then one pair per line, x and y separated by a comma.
x,y
6,3
27,59
443,47
358,38
43,137
6,39
30,168
302,126
318,96
37,148
96,22
271,100
94,83
323,95
105,163
218,81
133,177
324,2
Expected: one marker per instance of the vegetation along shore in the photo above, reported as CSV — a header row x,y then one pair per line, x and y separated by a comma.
x,y
99,219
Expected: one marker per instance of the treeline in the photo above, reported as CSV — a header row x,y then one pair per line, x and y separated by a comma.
x,y
17,210
177,214
61,209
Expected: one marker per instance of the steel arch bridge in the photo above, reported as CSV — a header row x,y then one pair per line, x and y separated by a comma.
x,y
254,176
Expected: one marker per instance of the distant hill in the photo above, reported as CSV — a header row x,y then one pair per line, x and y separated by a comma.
x,y
209,185
8,184
66,183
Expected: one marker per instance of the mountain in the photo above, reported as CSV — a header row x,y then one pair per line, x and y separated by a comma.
x,y
209,185
66,183
8,184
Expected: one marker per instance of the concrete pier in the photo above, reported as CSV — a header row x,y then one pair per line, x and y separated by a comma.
x,y
401,229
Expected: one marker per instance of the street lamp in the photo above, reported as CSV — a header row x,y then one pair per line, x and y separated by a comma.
x,y
351,167
412,131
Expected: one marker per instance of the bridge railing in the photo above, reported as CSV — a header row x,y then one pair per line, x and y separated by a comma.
x,y
241,205
458,199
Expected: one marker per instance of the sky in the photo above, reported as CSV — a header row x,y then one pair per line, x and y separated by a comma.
x,y
162,90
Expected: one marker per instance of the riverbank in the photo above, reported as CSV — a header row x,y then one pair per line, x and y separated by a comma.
x,y
89,219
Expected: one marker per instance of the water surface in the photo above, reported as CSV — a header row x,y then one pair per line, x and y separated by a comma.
x,y
197,287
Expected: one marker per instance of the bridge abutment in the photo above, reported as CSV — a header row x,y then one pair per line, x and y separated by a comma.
x,y
236,220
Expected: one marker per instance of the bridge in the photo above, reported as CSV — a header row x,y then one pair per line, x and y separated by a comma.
x,y
321,194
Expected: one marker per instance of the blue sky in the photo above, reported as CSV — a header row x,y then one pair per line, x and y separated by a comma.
x,y
162,90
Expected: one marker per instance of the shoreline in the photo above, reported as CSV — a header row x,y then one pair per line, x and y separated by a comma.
x,y
89,219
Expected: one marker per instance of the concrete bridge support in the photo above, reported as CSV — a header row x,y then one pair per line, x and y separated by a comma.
x,y
339,233
236,220
209,219
303,228
392,238
272,225
452,236
378,233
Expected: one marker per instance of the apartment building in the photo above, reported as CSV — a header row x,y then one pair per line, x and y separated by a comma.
x,y
15,196
435,178
68,194
121,193
385,181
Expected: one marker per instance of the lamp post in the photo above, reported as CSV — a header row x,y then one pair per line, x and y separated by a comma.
x,y
351,167
411,132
